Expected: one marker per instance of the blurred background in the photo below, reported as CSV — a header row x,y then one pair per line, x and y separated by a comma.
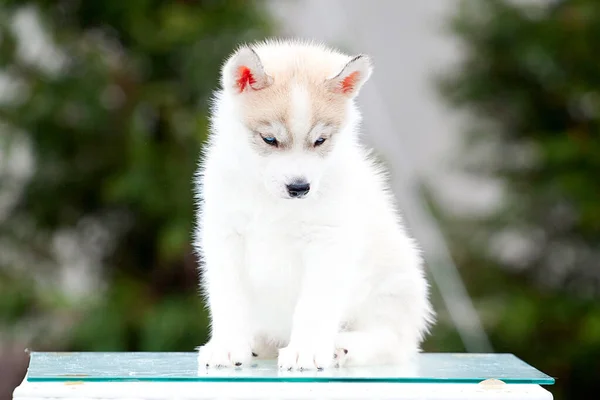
x,y
486,112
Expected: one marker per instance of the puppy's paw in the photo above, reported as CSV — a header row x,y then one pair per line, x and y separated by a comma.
x,y
352,348
225,353
306,357
340,357
371,348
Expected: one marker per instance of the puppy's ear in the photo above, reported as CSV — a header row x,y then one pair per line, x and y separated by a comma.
x,y
244,72
351,78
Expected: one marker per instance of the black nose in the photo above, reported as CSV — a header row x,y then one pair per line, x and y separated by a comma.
x,y
298,189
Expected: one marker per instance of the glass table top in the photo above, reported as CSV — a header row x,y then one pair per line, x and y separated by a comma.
x,y
164,367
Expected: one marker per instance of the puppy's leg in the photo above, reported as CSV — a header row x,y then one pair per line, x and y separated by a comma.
x,y
231,330
326,288
390,326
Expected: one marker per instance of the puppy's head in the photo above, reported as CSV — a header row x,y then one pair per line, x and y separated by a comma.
x,y
294,101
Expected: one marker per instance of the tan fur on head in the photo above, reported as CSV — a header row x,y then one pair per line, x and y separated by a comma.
x,y
262,77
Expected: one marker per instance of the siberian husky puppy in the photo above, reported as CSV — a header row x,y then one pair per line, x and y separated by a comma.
x,y
303,254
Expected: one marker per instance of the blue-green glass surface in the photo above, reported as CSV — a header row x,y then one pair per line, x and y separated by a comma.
x,y
429,368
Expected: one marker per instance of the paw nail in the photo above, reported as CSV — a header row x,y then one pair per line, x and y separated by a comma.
x,y
254,354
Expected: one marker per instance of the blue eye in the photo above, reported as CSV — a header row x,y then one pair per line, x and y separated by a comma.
x,y
270,141
319,141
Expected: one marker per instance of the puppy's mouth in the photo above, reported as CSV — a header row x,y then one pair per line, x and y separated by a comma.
x,y
296,197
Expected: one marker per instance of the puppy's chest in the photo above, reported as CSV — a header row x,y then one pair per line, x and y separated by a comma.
x,y
273,256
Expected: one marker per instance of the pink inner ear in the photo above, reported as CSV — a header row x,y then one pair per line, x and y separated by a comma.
x,y
245,78
349,82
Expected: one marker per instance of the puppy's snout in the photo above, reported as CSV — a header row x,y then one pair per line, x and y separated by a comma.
x,y
298,188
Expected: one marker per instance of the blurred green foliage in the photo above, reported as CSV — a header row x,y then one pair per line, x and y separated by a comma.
x,y
530,82
112,107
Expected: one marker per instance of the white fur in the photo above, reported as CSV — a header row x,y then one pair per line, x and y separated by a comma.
x,y
300,119
329,279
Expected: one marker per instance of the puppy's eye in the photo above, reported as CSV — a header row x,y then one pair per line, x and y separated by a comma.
x,y
319,142
271,141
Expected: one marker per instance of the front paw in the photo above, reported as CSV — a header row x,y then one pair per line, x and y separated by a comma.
x,y
305,357
224,353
